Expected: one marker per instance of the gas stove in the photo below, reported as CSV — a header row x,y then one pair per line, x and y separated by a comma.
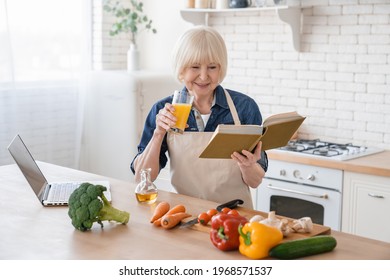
x,y
327,150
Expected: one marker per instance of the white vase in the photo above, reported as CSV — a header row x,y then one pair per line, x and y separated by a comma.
x,y
132,58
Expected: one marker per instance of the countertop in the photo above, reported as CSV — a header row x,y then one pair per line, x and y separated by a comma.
x,y
376,164
32,231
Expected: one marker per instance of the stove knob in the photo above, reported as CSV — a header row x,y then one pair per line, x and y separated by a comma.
x,y
282,172
297,174
311,177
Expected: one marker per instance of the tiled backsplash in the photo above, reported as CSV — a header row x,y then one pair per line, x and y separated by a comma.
x,y
340,79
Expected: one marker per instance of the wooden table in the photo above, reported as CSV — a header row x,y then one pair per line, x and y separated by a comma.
x,y
30,231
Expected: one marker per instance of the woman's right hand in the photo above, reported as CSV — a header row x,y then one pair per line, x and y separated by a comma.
x,y
165,118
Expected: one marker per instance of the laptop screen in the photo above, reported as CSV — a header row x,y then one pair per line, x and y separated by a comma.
x,y
27,165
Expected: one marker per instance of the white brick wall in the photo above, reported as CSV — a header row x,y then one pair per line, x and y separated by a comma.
x,y
108,52
340,79
47,119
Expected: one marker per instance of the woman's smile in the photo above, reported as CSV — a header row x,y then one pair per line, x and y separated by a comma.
x,y
202,85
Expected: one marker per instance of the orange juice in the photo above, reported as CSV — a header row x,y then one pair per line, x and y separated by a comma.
x,y
182,111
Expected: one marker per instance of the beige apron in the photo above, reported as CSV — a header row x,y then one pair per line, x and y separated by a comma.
x,y
217,180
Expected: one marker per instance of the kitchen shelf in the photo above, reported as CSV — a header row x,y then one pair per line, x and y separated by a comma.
x,y
288,14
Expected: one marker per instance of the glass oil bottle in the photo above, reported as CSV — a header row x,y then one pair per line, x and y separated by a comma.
x,y
146,191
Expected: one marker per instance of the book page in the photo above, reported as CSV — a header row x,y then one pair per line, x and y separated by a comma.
x,y
240,129
283,117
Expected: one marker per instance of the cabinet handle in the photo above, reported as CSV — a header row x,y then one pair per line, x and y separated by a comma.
x,y
324,196
375,195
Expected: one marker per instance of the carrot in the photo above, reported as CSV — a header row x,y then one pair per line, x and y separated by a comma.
x,y
176,209
157,222
171,220
161,209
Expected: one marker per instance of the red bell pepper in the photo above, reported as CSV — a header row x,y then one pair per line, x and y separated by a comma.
x,y
224,231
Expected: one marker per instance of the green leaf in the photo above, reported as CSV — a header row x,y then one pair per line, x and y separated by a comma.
x,y
129,19
118,13
133,27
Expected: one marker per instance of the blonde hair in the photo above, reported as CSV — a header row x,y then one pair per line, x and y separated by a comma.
x,y
201,44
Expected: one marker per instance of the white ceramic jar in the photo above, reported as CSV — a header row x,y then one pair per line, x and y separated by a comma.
x,y
222,4
201,4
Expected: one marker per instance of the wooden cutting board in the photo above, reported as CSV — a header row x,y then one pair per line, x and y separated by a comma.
x,y
317,229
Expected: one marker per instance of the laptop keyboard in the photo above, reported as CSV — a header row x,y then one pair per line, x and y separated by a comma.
x,y
61,192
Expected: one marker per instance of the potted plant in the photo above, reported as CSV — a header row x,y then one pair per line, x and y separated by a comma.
x,y
131,20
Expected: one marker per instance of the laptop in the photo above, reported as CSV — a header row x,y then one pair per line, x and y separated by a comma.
x,y
49,194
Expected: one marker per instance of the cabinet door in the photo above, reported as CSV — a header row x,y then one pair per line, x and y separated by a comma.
x,y
366,206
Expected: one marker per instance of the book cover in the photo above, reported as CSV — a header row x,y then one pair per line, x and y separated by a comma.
x,y
275,132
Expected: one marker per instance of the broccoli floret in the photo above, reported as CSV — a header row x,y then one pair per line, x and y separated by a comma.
x,y
87,205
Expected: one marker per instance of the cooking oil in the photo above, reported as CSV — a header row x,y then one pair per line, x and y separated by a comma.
x,y
146,191
149,197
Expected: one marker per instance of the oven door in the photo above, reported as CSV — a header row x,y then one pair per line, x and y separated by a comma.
x,y
294,200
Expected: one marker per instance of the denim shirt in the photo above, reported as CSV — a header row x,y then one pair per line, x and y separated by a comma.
x,y
247,109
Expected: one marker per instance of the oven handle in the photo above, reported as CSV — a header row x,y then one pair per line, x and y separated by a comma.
x,y
324,196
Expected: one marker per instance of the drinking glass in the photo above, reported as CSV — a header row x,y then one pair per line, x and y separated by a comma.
x,y
182,101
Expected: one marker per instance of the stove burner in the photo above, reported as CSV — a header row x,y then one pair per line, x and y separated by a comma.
x,y
326,151
292,146
321,151
339,146
308,142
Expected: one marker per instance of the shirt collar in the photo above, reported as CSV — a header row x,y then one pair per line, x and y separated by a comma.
x,y
220,97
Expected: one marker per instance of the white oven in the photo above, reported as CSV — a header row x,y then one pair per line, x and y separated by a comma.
x,y
296,191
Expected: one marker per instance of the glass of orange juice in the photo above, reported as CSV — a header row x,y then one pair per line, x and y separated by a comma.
x,y
182,101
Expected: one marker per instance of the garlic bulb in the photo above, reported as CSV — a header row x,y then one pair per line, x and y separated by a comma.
x,y
256,218
304,225
282,224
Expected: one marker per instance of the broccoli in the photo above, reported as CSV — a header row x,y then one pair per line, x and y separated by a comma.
x,y
87,204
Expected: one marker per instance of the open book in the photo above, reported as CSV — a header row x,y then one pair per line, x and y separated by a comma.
x,y
275,132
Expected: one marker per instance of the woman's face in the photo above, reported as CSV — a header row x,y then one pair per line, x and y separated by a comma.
x,y
201,79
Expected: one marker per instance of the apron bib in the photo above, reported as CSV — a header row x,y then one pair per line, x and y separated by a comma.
x,y
217,180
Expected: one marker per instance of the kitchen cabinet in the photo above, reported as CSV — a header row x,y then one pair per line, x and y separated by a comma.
x,y
288,14
366,204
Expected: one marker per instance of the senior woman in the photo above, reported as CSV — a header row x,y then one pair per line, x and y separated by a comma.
x,y
200,63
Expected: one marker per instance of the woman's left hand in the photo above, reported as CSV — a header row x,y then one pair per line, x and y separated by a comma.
x,y
252,173
247,159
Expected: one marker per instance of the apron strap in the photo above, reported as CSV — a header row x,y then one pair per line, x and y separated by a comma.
x,y
232,108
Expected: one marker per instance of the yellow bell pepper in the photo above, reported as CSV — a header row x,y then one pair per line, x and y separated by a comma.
x,y
257,239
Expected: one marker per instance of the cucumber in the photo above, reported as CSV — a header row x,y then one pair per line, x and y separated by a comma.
x,y
299,248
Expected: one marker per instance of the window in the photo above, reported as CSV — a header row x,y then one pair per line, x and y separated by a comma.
x,y
41,39
43,52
